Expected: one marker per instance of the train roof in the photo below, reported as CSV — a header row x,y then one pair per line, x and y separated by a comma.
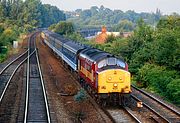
x,y
71,45
95,54
55,36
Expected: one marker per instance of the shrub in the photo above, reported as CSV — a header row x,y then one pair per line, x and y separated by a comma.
x,y
173,91
155,77
80,96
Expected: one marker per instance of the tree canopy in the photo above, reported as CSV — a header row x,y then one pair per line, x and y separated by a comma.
x,y
29,13
62,28
98,16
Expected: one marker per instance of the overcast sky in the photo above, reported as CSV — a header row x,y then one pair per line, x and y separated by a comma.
x,y
166,6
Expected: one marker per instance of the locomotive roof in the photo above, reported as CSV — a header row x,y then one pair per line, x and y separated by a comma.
x,y
95,54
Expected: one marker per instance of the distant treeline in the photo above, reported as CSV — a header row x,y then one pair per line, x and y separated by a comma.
x,y
96,17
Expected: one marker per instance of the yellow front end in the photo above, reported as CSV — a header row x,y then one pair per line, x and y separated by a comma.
x,y
114,81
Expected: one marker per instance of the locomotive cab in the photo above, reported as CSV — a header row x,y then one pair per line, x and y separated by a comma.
x,y
113,76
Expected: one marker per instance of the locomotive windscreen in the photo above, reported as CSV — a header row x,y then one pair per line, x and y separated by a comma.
x,y
111,62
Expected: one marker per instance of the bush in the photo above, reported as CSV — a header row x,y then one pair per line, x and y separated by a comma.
x,y
173,91
80,96
155,77
76,37
159,79
64,28
3,57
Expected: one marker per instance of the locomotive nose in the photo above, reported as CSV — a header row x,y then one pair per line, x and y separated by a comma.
x,y
116,81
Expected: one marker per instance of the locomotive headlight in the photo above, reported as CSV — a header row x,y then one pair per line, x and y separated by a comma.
x,y
115,85
120,79
109,78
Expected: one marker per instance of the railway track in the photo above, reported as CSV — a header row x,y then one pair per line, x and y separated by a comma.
x,y
162,110
9,86
8,72
122,115
153,110
35,109
36,104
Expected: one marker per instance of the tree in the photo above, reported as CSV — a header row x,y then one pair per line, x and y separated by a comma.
x,y
64,28
110,38
143,35
1,29
96,17
173,91
124,25
51,15
167,43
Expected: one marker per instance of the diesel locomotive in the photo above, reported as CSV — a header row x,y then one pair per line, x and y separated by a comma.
x,y
102,74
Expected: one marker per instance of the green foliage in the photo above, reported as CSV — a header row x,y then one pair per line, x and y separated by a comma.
x,y
1,29
29,14
63,28
110,38
166,49
168,40
124,25
80,96
160,80
139,46
160,47
76,37
173,91
155,76
171,22
51,15
52,27
19,16
3,56
7,37
96,17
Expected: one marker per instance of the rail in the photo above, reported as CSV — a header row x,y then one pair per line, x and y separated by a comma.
x,y
7,84
13,62
132,115
44,91
155,99
152,110
27,100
